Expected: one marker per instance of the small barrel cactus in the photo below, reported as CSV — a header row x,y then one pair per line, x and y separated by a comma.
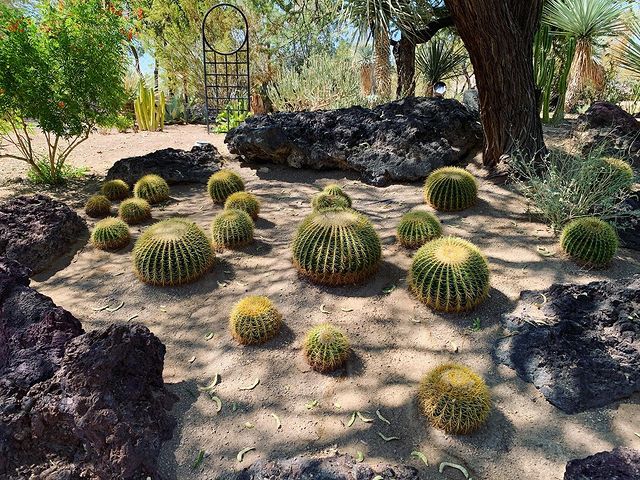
x,y
335,189
450,189
134,211
110,234
222,184
590,241
152,188
449,274
254,320
417,228
245,201
454,399
336,247
172,252
324,201
98,206
621,170
115,190
326,348
231,229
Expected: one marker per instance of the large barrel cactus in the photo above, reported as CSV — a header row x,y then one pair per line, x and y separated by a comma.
x,y
254,320
336,247
172,252
222,184
326,348
590,241
110,234
134,211
450,189
115,189
417,228
245,201
231,229
98,206
152,188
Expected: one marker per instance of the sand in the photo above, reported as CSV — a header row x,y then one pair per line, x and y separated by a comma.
x,y
395,339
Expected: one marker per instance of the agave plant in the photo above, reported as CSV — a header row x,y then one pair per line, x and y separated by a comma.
x,y
629,53
440,59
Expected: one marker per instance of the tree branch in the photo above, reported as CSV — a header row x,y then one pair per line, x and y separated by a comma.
x,y
428,32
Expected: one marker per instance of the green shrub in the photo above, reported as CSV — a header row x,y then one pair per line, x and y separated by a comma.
x,y
454,399
231,229
222,184
450,189
449,274
324,201
254,320
590,241
417,228
326,348
44,175
172,252
110,234
233,115
115,190
98,206
336,247
244,201
151,188
335,189
134,211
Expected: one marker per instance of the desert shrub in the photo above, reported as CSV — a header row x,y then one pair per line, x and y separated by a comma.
x,y
222,184
450,189
231,229
324,201
110,234
590,241
326,348
254,320
151,188
247,202
115,189
134,211
97,206
417,228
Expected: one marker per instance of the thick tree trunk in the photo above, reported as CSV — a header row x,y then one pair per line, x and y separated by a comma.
x,y
498,35
404,51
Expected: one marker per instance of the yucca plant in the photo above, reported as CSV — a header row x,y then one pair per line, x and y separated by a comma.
x,y
629,52
438,60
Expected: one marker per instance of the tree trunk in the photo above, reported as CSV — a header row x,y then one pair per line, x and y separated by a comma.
x,y
382,65
584,73
498,35
404,52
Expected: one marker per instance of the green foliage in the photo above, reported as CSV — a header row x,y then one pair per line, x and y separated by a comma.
x,y
233,115
44,175
335,189
172,252
222,184
254,320
115,190
454,399
110,234
151,188
590,241
149,111
336,247
450,189
440,59
449,274
247,202
324,201
326,348
231,229
97,206
122,123
134,211
585,19
629,51
417,228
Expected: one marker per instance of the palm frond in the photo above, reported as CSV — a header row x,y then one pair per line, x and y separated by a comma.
x,y
585,19
629,52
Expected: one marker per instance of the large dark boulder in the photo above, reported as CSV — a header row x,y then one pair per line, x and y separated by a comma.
x,y
35,230
578,344
174,165
73,404
398,141
629,231
619,464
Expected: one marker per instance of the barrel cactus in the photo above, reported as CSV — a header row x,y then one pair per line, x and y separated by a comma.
x,y
231,229
254,320
172,252
335,189
222,184
454,399
450,189
590,241
449,274
621,170
134,211
336,247
152,188
110,234
324,201
115,190
245,201
417,228
326,348
98,206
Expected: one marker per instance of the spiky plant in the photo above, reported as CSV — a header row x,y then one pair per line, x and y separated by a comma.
x,y
417,228
326,348
454,399
134,211
628,53
439,59
172,252
231,229
336,247
335,189
115,190
152,188
449,274
110,234
254,320
222,184
590,241
97,206
621,170
323,201
247,202
450,189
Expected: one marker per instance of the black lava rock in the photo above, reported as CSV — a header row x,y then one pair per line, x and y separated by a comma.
x,y
619,464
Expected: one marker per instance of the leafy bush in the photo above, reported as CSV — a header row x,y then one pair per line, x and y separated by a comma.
x,y
233,115
44,174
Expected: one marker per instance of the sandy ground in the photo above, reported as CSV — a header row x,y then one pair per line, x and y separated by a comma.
x,y
395,338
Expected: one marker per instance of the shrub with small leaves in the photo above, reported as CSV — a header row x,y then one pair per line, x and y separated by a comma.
x,y
324,201
621,170
151,188
222,184
326,348
454,399
110,234
449,274
134,211
254,320
98,206
245,201
231,229
115,190
590,241
335,189
417,228
450,189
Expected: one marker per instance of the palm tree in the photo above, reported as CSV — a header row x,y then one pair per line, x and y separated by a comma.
x,y
629,51
439,60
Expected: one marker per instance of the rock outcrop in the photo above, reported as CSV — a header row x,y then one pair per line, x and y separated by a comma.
x,y
619,464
